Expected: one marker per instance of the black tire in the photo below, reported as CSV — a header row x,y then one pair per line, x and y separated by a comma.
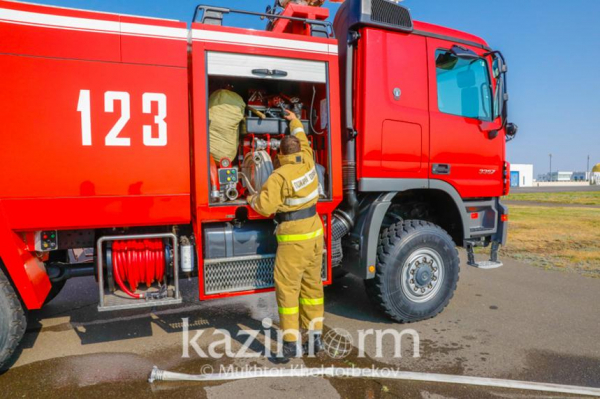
x,y
402,249
12,320
54,291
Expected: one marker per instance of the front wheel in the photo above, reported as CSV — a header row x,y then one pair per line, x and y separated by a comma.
x,y
417,271
12,320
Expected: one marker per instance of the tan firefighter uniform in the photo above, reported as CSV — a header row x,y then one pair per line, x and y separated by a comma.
x,y
292,187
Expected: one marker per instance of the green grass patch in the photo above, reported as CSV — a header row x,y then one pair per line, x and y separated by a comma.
x,y
555,238
575,198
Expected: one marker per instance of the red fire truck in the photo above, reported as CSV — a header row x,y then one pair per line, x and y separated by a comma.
x,y
105,150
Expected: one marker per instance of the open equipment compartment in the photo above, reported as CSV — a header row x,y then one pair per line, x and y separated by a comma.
x,y
235,259
257,67
267,85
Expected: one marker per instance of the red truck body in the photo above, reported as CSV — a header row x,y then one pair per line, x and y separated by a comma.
x,y
105,126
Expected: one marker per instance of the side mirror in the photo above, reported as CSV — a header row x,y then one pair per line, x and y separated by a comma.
x,y
511,131
491,128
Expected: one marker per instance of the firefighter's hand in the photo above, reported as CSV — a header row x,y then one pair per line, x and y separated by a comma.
x,y
289,115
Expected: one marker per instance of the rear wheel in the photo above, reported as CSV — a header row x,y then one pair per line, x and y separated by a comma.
x,y
12,320
417,271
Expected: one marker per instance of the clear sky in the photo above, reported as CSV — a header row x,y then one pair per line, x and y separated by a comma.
x,y
551,47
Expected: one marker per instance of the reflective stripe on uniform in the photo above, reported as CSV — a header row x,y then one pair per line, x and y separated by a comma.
x,y
307,301
297,130
288,311
299,237
302,201
304,181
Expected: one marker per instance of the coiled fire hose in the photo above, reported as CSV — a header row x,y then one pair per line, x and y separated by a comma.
x,y
247,183
138,262
256,168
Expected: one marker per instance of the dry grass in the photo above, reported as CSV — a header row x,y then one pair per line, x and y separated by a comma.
x,y
555,238
577,198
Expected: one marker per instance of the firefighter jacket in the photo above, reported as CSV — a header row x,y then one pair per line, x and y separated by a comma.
x,y
292,187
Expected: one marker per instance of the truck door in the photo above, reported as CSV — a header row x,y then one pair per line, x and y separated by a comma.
x,y
462,152
392,82
405,128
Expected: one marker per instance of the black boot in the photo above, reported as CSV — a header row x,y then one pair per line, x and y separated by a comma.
x,y
314,345
288,352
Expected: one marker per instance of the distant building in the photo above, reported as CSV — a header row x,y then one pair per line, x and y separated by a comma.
x,y
521,175
544,177
595,175
580,176
562,176
557,177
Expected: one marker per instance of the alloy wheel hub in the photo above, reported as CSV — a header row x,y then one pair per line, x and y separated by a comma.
x,y
422,274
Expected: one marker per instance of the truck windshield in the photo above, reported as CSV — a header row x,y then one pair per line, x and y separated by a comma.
x,y
463,86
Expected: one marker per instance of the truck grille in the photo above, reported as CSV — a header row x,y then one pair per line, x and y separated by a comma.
x,y
390,13
242,274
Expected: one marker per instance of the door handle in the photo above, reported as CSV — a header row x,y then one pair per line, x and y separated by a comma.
x,y
278,73
441,169
266,72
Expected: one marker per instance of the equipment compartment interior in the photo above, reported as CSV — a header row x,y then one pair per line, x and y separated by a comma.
x,y
259,133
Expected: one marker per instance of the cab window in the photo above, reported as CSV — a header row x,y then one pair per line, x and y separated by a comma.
x,y
464,86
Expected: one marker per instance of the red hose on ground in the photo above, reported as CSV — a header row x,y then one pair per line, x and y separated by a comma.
x,y
138,262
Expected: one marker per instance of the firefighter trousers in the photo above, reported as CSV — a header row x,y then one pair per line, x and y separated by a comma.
x,y
298,284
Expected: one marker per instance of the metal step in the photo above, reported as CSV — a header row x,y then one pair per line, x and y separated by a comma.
x,y
487,264
493,263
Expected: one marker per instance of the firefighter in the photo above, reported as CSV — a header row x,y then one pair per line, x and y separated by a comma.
x,y
292,193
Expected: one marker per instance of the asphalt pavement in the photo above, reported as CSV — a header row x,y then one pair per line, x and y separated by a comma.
x,y
518,322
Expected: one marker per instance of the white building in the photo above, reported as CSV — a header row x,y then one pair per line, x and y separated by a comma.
x,y
595,177
521,175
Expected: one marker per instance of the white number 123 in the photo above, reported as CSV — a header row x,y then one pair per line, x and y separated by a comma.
x,y
112,139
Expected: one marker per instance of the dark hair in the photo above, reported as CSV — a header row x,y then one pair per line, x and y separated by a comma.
x,y
290,145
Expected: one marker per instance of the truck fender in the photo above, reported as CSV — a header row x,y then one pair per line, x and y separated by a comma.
x,y
25,270
360,250
435,184
398,185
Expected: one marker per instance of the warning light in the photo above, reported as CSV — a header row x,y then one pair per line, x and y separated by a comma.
x,y
45,237
504,218
474,216
371,269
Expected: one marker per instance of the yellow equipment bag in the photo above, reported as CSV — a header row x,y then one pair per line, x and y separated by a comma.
x,y
225,112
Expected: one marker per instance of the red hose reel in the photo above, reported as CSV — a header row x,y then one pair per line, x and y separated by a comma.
x,y
137,262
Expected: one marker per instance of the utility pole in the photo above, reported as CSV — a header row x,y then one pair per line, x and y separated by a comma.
x,y
550,175
588,173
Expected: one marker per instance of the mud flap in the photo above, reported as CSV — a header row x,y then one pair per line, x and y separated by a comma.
x,y
27,273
